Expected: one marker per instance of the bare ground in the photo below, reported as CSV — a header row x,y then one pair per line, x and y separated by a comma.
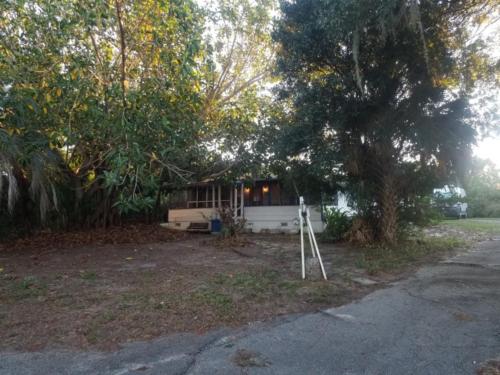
x,y
104,290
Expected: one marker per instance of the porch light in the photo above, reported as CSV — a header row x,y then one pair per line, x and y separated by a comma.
x,y
265,189
247,190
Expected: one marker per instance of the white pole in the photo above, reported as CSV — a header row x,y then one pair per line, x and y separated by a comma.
x,y
315,244
242,194
301,223
235,195
219,195
311,242
213,196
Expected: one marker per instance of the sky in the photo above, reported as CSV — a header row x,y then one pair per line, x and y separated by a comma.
x,y
489,148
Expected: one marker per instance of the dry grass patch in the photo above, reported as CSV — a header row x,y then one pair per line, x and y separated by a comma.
x,y
99,296
377,259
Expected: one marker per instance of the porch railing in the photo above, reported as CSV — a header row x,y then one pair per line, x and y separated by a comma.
x,y
207,203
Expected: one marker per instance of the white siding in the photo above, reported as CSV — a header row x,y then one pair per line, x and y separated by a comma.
x,y
279,219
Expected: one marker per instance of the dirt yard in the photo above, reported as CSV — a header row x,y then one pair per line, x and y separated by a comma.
x,y
99,290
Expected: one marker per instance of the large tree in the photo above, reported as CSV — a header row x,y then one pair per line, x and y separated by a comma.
x,y
107,105
106,93
239,68
379,91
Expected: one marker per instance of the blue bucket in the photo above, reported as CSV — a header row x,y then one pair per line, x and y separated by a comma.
x,y
216,225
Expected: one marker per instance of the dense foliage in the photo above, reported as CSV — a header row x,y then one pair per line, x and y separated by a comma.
x,y
379,92
338,224
483,190
106,105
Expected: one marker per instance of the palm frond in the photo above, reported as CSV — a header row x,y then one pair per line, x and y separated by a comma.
x,y
44,173
8,154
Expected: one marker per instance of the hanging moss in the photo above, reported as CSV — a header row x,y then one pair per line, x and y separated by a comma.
x,y
415,21
355,56
409,11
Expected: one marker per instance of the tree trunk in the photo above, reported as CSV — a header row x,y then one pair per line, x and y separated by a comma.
x,y
389,210
118,6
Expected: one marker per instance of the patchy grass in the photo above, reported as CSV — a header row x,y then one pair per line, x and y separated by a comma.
x,y
378,259
485,226
264,285
94,297
321,293
221,302
88,275
257,284
28,287
95,330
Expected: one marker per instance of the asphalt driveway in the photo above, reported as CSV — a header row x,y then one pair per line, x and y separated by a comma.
x,y
443,320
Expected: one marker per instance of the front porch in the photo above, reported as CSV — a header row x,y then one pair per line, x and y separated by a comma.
x,y
265,205
195,207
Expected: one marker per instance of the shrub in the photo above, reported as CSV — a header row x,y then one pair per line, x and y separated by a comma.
x,y
422,211
337,225
484,206
483,190
231,225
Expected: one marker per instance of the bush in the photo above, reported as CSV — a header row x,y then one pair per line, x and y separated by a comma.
x,y
483,190
484,206
231,225
422,211
337,225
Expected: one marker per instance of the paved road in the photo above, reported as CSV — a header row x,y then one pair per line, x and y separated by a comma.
x,y
444,320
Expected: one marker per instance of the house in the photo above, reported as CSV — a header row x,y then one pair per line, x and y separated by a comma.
x,y
265,204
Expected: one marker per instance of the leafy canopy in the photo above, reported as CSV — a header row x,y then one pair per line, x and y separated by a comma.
x,y
380,93
106,105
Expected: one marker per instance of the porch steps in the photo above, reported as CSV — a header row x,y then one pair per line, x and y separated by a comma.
x,y
198,227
